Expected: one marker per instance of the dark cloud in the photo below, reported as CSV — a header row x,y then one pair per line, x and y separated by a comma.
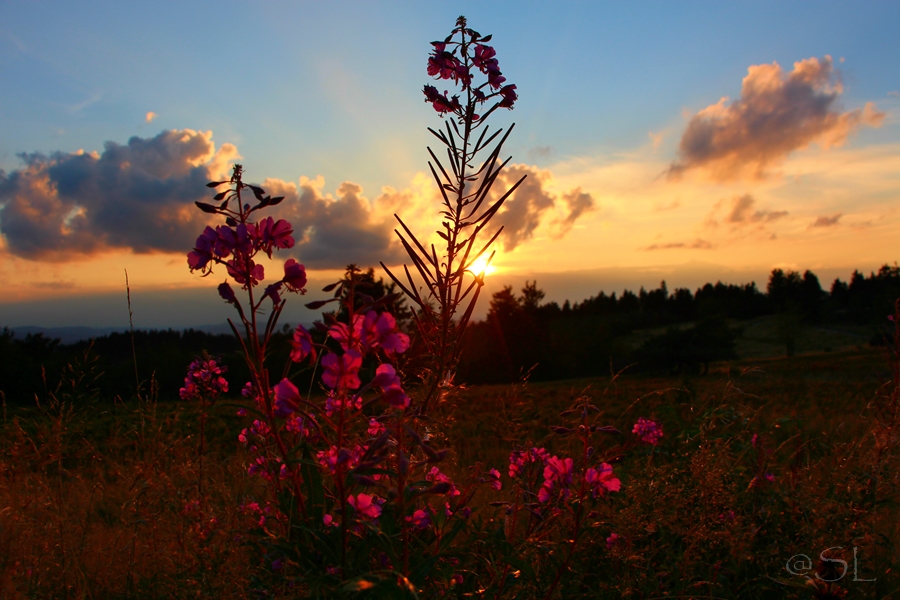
x,y
740,212
524,211
141,196
827,221
578,203
332,232
776,114
697,244
138,196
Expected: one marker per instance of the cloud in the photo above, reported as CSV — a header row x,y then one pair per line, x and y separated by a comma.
x,y
740,213
776,114
697,244
827,221
332,231
150,116
525,210
540,153
139,196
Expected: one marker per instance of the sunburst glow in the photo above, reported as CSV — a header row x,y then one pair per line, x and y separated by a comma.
x,y
481,267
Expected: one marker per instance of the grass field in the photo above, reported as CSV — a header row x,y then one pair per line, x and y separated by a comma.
x,y
102,500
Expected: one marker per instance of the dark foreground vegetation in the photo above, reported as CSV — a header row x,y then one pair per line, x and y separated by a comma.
x,y
761,461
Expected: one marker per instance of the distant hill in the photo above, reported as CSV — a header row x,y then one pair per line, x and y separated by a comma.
x,y
71,335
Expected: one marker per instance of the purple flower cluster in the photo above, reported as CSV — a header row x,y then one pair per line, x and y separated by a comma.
x,y
648,431
204,379
456,61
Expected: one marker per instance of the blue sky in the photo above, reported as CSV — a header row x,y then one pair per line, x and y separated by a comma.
x,y
607,92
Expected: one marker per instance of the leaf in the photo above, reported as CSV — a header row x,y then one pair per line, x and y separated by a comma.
x,y
230,222
257,191
319,304
207,208
609,429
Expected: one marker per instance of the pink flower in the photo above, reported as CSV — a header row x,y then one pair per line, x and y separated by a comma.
x,y
494,476
509,95
329,521
435,476
203,250
442,64
419,519
273,292
275,233
375,427
302,345
294,275
392,392
204,379
286,397
342,372
484,58
391,340
386,376
613,540
559,470
602,481
365,506
648,431
244,270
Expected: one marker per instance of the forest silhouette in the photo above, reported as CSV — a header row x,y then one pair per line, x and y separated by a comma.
x,y
522,336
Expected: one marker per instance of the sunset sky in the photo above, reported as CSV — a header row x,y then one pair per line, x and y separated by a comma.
x,y
701,141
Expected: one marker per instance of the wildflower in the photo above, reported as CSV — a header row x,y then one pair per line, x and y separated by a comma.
x,y
275,233
294,276
442,64
648,431
419,519
273,292
613,540
245,271
302,345
365,505
286,397
508,92
435,476
484,58
375,427
494,476
329,521
342,372
204,379
202,254
602,480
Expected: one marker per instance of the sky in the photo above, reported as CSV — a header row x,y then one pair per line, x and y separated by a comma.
x,y
688,141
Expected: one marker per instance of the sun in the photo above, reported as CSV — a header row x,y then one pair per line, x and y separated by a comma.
x,y
481,267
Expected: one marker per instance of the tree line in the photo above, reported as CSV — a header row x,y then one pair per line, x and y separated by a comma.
x,y
522,334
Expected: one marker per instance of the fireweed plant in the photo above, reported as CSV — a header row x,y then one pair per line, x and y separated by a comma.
x,y
355,496
448,288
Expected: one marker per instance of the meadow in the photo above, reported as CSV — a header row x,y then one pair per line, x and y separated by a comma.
x,y
100,500
354,463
